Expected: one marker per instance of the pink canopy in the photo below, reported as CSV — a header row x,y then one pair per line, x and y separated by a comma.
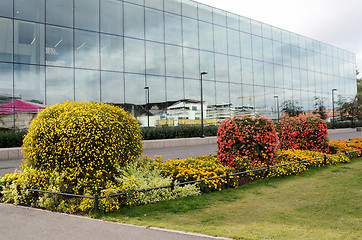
x,y
16,105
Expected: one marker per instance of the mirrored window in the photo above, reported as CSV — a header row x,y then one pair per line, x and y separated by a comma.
x,y
267,31
189,8
268,50
304,79
112,16
29,43
139,2
86,49
173,32
59,46
59,12
112,87
317,47
286,54
259,95
59,85
6,81
268,74
205,12
222,94
86,14
245,42
207,64
234,69
133,20
84,79
247,71
155,58
236,97
134,55
221,68
288,83
111,52
317,62
295,56
318,82
302,42
192,89
208,88
154,4
174,89
32,10
6,8
219,17
277,52
278,76
206,36
248,99
232,21
190,33
311,82
256,27
258,73
174,61
233,42
245,24
191,63
285,37
135,93
276,33
294,39
157,88
173,6
310,60
303,58
220,39
6,40
154,25
257,47
29,83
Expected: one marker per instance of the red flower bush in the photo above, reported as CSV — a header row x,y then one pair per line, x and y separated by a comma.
x,y
304,134
245,136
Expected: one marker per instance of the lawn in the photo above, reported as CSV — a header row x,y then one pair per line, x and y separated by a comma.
x,y
322,203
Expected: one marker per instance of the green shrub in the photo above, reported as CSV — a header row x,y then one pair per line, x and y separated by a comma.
x,y
11,138
181,131
303,133
245,136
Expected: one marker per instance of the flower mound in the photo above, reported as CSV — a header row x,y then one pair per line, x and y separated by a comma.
x,y
303,134
83,142
245,136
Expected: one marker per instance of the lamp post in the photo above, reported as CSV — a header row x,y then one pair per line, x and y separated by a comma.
x,y
334,89
202,108
277,105
148,105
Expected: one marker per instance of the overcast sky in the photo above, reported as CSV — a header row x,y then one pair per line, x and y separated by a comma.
x,y
336,22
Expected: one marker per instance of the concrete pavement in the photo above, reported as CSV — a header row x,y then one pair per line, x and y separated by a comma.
x,y
18,222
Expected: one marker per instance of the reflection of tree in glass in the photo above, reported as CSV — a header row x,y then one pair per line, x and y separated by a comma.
x,y
291,108
320,107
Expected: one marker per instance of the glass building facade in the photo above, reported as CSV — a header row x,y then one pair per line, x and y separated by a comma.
x,y
109,50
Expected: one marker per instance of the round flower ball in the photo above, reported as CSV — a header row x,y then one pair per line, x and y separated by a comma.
x,y
252,137
90,138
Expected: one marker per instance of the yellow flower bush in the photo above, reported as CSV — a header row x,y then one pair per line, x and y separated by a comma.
x,y
196,168
346,146
289,156
77,148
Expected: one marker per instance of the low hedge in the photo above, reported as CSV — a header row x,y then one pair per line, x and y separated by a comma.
x,y
169,132
11,138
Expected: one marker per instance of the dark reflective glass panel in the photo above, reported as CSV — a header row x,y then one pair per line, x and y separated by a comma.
x,y
154,25
6,40
59,46
84,79
59,12
134,55
6,81
111,16
86,49
86,14
112,87
191,63
59,85
32,10
174,61
155,58
173,33
6,8
111,52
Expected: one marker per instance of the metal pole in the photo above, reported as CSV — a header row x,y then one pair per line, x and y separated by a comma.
x,y
277,105
148,105
202,108
334,89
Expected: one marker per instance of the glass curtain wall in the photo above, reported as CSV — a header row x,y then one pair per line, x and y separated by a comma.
x,y
147,57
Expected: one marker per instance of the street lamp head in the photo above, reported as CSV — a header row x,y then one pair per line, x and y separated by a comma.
x,y
203,73
146,87
275,96
334,89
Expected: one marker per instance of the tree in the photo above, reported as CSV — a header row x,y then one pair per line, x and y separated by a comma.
x,y
341,106
319,107
359,84
291,108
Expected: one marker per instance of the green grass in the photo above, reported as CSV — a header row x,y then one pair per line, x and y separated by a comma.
x,y
322,203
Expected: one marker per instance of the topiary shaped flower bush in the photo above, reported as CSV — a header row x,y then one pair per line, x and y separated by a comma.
x,y
246,136
78,148
303,133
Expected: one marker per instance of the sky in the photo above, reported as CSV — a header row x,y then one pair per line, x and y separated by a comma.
x,y
336,22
